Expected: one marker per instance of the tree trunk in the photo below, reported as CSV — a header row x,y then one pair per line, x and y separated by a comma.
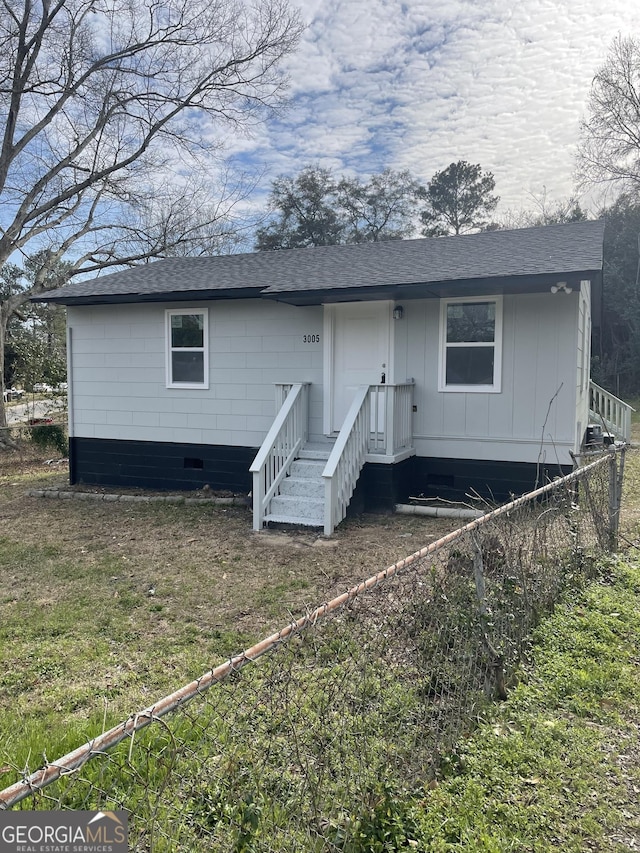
x,y
3,334
5,435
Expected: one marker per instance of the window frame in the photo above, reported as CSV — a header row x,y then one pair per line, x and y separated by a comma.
x,y
496,386
169,349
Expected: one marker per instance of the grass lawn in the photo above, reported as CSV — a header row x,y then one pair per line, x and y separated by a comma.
x,y
105,607
557,766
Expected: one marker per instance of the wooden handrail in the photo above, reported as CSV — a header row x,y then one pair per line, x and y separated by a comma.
x,y
346,460
614,412
391,425
345,431
378,422
283,441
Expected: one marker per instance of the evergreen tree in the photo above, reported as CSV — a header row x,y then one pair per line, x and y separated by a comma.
x,y
459,199
616,363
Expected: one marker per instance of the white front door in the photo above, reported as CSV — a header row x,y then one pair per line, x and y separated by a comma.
x,y
359,345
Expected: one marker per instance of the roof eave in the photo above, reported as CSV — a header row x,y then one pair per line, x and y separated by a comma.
x,y
435,290
167,296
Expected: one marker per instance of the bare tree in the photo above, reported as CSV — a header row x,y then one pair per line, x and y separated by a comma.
x,y
315,208
610,147
100,100
384,208
545,211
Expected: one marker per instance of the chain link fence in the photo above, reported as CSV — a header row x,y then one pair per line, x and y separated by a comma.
x,y
313,739
40,426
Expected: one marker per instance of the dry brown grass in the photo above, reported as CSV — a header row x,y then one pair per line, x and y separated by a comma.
x,y
118,604
121,603
203,559
113,605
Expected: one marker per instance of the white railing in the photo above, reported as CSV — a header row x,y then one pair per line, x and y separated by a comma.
x,y
605,408
378,423
287,435
346,460
391,418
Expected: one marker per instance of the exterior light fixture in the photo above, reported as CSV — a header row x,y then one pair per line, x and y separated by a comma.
x,y
561,285
398,312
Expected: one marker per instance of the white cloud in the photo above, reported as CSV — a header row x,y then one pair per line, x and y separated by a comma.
x,y
417,85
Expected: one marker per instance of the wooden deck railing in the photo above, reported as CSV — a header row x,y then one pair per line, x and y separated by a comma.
x,y
391,418
378,423
287,435
605,408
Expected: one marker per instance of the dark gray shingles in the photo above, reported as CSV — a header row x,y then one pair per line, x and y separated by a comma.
x,y
554,249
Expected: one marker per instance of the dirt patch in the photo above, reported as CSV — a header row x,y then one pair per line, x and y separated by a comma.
x,y
204,562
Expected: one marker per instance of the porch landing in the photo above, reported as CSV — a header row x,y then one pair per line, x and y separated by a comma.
x,y
296,482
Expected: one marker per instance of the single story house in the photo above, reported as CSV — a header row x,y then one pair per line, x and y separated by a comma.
x,y
322,376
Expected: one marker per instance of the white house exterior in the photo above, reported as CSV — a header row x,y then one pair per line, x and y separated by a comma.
x,y
474,350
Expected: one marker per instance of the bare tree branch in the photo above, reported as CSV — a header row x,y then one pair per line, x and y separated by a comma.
x,y
131,79
106,107
610,147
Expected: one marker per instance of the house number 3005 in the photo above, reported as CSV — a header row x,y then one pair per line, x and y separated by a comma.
x,y
311,339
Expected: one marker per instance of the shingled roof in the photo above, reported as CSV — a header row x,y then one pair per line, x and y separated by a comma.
x,y
500,259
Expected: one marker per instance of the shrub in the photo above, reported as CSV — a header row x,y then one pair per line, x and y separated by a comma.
x,y
50,436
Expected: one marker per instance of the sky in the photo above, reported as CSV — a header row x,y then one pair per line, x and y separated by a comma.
x,y
420,84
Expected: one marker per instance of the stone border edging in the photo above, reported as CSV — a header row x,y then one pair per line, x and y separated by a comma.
x,y
113,498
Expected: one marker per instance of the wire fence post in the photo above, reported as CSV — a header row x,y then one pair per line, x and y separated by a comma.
x,y
615,494
623,453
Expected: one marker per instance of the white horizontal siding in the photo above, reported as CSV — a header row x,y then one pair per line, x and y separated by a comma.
x,y
532,418
119,389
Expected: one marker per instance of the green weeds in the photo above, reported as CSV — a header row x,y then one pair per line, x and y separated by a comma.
x,y
542,772
50,436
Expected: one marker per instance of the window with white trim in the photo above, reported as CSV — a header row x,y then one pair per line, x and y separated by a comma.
x,y
187,348
470,344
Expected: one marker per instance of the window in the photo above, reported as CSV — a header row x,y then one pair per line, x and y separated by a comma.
x,y
187,348
470,344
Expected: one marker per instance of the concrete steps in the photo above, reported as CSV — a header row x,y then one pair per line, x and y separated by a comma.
x,y
301,498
